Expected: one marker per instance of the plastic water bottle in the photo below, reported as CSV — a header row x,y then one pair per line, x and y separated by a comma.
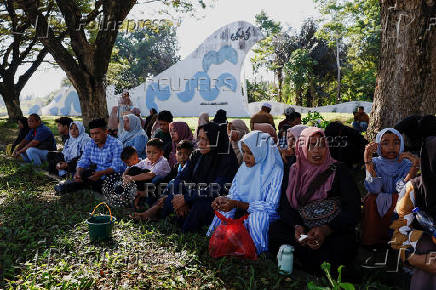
x,y
425,221
285,259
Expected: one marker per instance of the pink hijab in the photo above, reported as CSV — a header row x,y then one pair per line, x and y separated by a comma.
x,y
266,128
184,133
302,173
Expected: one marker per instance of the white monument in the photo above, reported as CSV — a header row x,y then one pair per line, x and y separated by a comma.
x,y
206,80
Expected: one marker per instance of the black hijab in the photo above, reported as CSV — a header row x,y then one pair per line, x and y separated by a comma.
x,y
425,185
23,131
415,129
346,144
220,158
220,117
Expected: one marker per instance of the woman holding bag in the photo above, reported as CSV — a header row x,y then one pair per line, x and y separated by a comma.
x,y
319,208
255,189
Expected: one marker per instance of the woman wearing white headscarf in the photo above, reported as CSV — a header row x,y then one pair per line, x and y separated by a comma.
x,y
73,148
134,135
255,188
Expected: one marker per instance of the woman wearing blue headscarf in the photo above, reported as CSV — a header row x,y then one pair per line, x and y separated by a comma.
x,y
386,176
73,148
134,135
255,188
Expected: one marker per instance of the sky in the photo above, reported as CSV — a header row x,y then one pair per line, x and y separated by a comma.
x,y
194,30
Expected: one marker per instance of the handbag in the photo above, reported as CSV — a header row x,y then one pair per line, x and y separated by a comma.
x,y
319,212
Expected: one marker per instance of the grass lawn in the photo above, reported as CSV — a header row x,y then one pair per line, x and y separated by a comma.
x,y
44,244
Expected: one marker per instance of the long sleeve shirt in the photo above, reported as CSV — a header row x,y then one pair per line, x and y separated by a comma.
x,y
108,156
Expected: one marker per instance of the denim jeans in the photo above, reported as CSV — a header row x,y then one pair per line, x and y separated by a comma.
x,y
360,126
35,155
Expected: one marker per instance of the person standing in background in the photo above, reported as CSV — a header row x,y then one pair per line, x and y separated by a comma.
x,y
361,120
263,116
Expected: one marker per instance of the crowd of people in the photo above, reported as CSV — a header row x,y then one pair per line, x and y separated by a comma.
x,y
295,183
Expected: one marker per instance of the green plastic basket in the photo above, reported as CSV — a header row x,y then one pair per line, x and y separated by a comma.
x,y
100,227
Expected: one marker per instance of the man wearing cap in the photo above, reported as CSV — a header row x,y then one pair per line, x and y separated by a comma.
x,y
263,116
292,119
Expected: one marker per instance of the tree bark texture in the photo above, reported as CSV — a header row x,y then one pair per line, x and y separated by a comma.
x,y
406,80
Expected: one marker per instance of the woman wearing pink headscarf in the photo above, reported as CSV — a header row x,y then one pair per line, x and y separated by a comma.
x,y
179,131
288,154
319,206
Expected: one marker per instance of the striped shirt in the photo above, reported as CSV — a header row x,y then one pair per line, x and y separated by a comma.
x,y
262,213
108,156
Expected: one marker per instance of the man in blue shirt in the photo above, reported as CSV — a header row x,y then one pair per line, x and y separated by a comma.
x,y
37,143
101,157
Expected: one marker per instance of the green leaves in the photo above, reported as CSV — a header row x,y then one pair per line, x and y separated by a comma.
x,y
334,284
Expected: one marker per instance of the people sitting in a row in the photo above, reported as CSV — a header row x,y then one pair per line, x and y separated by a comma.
x,y
301,195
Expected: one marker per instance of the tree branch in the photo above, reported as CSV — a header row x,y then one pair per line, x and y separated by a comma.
x,y
54,44
26,76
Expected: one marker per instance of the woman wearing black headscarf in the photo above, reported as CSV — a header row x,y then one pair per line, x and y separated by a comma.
x,y
409,237
209,169
24,129
220,117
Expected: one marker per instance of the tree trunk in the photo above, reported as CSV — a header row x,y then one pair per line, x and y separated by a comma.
x,y
406,80
280,83
92,97
338,64
12,102
299,97
309,99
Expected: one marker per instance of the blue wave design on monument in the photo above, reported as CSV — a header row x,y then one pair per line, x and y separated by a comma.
x,y
200,81
155,91
225,53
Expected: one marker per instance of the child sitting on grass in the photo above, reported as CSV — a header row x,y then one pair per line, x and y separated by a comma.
x,y
386,176
183,151
155,162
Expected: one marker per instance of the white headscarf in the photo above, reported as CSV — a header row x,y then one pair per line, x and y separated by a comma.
x,y
134,131
74,146
252,182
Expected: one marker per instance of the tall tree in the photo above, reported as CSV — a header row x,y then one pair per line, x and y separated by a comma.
x,y
406,81
18,48
357,23
142,53
86,63
274,51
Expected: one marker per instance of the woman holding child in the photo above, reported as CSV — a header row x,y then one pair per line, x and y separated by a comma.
x,y
255,188
319,208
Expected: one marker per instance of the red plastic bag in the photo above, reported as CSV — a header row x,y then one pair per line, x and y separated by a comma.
x,y
231,238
